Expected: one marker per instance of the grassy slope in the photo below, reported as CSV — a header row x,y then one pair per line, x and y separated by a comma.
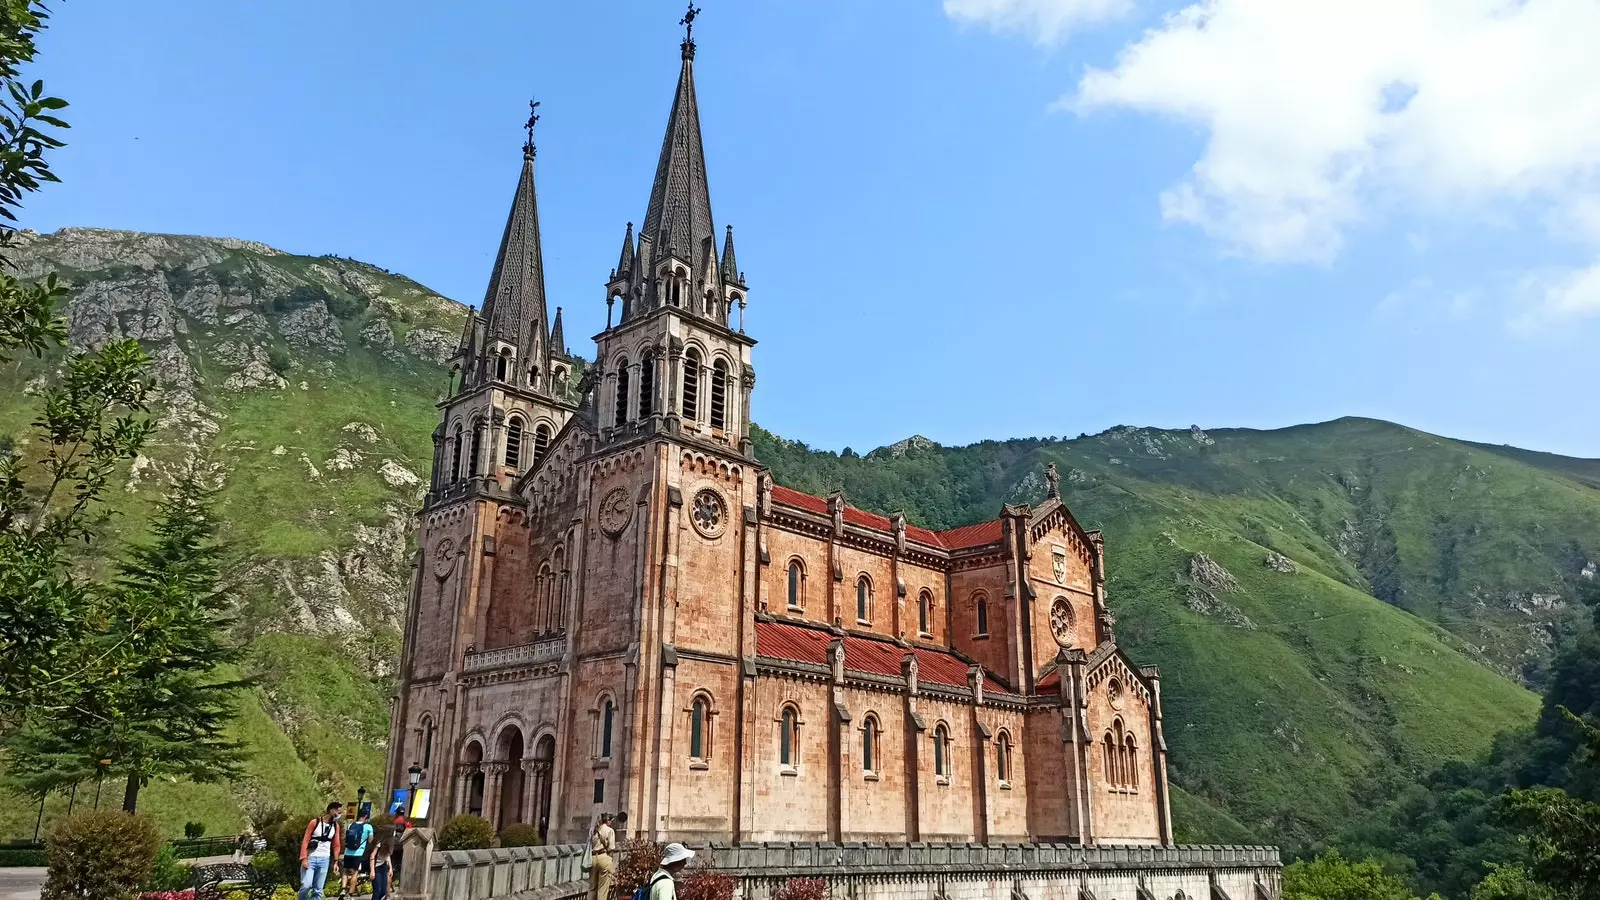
x,y
317,720
1276,723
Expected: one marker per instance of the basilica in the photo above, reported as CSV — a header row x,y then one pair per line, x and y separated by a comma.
x,y
614,607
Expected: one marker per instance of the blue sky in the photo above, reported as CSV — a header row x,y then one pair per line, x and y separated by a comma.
x,y
969,219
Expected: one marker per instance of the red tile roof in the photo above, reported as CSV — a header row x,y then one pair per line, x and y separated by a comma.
x,y
798,643
954,539
1049,682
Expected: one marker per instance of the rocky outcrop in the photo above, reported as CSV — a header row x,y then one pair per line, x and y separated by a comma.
x,y
914,444
432,345
1208,573
1206,603
1277,562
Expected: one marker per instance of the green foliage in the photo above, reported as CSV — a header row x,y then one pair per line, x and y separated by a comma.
x,y
1332,877
1563,834
280,361
194,830
165,710
520,835
466,832
269,862
167,874
301,296
1511,883
347,306
9,857
100,855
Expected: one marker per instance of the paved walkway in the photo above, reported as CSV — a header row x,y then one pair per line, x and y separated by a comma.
x,y
21,883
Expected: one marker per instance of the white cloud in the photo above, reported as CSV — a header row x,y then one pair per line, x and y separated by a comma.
x,y
1321,113
1046,21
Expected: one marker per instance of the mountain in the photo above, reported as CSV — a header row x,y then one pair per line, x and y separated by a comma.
x,y
1328,603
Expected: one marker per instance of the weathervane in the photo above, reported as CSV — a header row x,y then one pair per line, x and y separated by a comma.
x,y
688,23
533,119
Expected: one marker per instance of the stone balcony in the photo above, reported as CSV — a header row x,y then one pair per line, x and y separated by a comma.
x,y
540,652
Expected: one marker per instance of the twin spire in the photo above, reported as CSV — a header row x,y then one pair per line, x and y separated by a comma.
x,y
677,223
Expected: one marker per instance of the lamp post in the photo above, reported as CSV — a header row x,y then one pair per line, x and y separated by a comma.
x,y
361,797
415,773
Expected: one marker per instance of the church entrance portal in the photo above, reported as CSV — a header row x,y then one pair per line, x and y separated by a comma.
x,y
511,780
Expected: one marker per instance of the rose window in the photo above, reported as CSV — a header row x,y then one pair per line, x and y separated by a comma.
x,y
710,513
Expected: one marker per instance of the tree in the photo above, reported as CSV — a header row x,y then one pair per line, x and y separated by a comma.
x,y
1562,831
166,711
90,422
1332,877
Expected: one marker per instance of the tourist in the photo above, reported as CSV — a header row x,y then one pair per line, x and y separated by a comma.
x,y
398,856
602,858
319,847
663,884
355,849
241,847
378,869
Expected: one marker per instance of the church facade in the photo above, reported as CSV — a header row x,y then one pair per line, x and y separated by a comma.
x,y
614,607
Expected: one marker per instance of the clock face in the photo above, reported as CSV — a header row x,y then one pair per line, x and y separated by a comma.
x,y
443,557
1061,621
615,512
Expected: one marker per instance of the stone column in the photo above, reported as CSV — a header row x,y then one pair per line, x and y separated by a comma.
x,y
415,877
491,790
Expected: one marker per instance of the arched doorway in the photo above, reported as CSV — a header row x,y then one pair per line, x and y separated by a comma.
x,y
511,780
474,764
544,758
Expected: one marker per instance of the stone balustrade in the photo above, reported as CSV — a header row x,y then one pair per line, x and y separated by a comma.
x,y
868,871
546,650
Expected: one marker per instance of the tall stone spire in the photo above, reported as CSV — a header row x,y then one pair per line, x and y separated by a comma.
x,y
558,336
514,304
730,266
678,220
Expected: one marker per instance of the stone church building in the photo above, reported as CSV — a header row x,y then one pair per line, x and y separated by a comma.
x,y
614,607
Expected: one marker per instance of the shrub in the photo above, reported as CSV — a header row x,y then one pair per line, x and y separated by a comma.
x,y
167,874
279,360
304,295
466,832
344,306
520,835
268,862
802,889
193,830
99,855
21,858
186,894
640,859
705,884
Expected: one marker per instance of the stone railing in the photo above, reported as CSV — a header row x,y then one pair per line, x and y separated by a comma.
x,y
544,650
865,871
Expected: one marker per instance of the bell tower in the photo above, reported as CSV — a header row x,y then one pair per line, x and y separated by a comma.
x,y
511,377
675,358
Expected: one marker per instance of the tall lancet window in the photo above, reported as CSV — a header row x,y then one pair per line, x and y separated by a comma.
x,y
514,444
455,454
477,446
541,442
622,391
691,384
502,365
647,387
719,394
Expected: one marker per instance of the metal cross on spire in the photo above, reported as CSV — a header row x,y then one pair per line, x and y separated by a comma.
x,y
688,23
533,119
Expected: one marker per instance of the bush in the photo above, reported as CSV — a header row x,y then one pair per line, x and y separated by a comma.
x,y
194,830
304,295
802,889
519,835
344,306
186,894
167,874
21,858
268,862
279,360
705,884
640,859
466,832
99,855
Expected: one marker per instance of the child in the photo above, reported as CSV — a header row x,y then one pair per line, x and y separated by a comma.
x,y
378,868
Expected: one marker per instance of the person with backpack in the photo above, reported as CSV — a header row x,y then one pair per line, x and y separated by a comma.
x,y
319,847
663,885
355,851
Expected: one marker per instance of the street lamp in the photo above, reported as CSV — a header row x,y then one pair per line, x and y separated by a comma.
x,y
361,796
416,775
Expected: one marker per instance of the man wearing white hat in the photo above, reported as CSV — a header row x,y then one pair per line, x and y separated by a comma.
x,y
663,884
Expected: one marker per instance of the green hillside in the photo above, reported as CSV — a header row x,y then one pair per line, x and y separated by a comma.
x,y
1428,575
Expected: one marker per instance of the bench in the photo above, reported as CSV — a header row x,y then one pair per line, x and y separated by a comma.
x,y
213,882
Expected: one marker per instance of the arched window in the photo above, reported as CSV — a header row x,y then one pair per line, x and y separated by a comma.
x,y
719,394
789,737
870,759
455,454
863,599
691,384
541,443
1108,752
1131,752
983,614
477,446
608,713
675,289
925,612
622,391
514,444
1002,757
797,577
647,386
502,365
699,729
941,751
427,742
